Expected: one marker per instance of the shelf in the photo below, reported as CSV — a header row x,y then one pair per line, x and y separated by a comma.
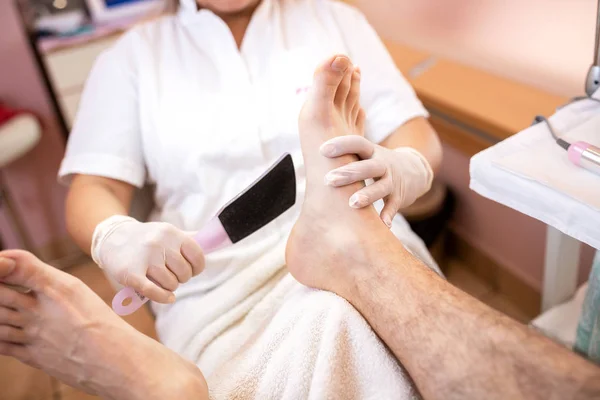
x,y
471,109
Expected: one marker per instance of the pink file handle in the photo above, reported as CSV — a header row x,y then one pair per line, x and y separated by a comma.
x,y
212,237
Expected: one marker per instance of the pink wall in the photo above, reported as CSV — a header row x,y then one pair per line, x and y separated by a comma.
x,y
32,179
547,43
544,43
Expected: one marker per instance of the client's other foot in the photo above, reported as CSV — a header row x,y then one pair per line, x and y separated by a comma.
x,y
65,329
328,232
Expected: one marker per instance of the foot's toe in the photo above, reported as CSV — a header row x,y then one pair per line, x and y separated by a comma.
x,y
7,266
352,102
13,300
360,121
15,350
341,94
18,267
10,334
328,77
11,317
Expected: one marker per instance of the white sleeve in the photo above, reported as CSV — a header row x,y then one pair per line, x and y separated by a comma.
x,y
386,96
105,139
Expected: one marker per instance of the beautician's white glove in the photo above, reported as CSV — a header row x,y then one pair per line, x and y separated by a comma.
x,y
401,175
152,258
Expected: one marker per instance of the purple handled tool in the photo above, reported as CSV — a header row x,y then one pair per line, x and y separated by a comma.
x,y
265,199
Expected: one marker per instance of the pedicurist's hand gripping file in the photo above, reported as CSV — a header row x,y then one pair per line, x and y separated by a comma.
x,y
264,200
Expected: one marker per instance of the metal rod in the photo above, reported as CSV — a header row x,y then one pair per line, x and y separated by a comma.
x,y
597,44
592,80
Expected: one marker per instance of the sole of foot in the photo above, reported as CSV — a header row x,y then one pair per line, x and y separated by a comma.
x,y
328,231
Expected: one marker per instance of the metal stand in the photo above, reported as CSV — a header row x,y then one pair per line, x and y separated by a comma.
x,y
561,268
592,82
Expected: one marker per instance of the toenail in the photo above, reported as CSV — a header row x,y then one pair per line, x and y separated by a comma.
x,y
328,149
358,200
339,64
7,263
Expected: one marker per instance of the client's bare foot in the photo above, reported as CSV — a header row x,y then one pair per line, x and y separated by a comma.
x,y
63,328
329,232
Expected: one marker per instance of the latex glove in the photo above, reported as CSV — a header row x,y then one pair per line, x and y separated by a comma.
x,y
152,258
401,175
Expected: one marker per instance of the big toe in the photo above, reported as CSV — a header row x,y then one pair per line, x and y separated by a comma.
x,y
19,267
328,77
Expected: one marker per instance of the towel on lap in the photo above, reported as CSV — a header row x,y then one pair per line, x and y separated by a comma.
x,y
262,335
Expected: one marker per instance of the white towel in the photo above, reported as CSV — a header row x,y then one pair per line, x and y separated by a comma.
x,y
262,335
560,322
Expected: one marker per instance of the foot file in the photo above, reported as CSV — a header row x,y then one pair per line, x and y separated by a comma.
x,y
265,199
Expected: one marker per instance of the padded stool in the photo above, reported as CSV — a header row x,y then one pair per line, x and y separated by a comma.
x,y
18,136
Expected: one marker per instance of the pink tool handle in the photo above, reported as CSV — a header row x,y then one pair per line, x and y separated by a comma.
x,y
210,238
576,151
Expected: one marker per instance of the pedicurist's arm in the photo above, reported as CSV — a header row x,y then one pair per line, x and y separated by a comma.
x,y
455,347
419,135
402,166
91,200
106,142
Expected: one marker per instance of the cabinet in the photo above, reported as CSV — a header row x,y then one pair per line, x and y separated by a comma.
x,y
67,69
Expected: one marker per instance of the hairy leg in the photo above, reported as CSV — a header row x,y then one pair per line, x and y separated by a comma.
x,y
63,328
453,346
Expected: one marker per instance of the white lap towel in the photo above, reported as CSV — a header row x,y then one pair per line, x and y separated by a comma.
x,y
262,335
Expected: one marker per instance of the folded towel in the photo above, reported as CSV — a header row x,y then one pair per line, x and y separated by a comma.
x,y
262,335
560,322
309,344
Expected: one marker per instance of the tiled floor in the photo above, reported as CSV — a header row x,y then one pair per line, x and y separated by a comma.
x,y
19,382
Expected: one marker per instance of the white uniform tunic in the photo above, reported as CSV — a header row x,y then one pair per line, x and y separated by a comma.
x,y
175,104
